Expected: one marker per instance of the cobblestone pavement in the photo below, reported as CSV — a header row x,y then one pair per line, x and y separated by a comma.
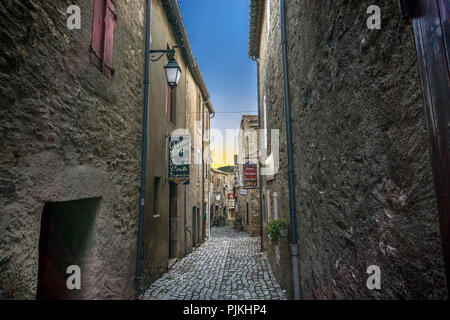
x,y
229,266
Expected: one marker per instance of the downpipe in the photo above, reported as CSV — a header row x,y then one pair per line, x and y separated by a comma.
x,y
138,278
203,171
203,167
287,109
208,218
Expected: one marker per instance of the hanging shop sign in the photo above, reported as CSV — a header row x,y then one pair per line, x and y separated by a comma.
x,y
231,196
179,158
250,175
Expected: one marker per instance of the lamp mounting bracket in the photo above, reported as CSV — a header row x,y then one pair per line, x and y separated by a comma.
x,y
170,53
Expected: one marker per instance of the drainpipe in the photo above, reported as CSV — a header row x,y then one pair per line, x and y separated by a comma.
x,y
203,164
203,167
287,111
143,149
186,186
209,208
259,156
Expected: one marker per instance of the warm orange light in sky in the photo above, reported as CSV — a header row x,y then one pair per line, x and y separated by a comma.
x,y
225,156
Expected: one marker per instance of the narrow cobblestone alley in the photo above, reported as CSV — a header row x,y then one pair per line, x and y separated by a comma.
x,y
227,266
245,150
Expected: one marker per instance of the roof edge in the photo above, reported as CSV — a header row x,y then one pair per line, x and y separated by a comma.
x,y
255,27
175,18
220,171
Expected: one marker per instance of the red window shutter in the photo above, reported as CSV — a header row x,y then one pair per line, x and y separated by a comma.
x,y
168,101
108,50
102,45
97,33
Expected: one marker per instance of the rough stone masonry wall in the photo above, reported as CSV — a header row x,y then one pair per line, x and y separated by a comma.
x,y
365,193
163,232
193,190
67,132
252,225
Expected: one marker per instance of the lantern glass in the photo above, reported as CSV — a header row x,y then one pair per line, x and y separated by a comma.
x,y
173,73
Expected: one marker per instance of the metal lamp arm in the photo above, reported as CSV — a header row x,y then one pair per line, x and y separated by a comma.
x,y
166,52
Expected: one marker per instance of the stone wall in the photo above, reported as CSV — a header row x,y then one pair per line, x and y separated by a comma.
x,y
170,236
248,195
251,222
365,192
69,133
158,222
194,189
221,183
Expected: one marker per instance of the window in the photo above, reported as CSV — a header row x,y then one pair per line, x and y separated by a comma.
x,y
102,44
171,102
156,184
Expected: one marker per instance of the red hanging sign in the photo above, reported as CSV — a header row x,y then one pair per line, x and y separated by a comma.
x,y
250,175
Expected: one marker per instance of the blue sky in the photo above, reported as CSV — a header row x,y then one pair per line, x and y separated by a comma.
x,y
218,32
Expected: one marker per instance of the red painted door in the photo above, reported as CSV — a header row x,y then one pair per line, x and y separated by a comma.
x,y
432,34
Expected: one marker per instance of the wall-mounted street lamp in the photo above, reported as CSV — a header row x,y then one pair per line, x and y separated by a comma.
x,y
173,71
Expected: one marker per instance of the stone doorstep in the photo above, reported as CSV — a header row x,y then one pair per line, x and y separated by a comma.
x,y
171,263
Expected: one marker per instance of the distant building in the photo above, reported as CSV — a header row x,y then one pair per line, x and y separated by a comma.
x,y
247,179
222,198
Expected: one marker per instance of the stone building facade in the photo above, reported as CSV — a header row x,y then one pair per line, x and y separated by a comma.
x,y
196,111
230,203
221,205
364,186
71,132
174,222
247,190
70,142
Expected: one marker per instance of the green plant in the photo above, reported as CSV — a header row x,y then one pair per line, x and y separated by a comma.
x,y
274,227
